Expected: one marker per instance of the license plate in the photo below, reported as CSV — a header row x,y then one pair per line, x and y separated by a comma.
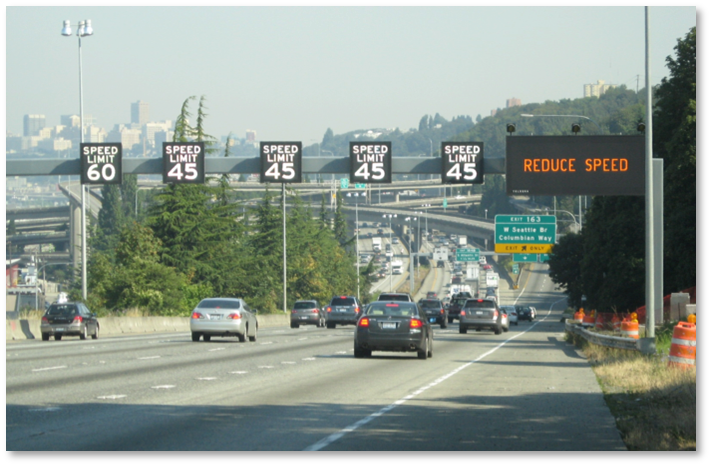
x,y
389,325
479,312
341,310
59,329
215,316
303,317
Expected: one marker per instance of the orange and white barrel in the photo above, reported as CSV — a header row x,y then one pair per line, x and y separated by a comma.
x,y
683,348
630,329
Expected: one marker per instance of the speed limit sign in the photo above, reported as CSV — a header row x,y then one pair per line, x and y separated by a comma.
x,y
100,163
183,162
280,162
462,162
371,162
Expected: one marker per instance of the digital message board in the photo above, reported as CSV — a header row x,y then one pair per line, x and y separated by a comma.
x,y
371,162
183,162
575,165
100,162
462,162
280,162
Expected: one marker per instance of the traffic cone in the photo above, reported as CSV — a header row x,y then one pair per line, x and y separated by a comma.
x,y
683,348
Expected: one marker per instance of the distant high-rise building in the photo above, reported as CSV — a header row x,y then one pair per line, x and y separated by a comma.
x,y
33,124
596,90
139,112
513,102
251,135
71,121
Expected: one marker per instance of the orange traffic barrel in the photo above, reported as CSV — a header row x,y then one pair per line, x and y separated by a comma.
x,y
578,316
589,319
630,329
599,322
683,348
615,323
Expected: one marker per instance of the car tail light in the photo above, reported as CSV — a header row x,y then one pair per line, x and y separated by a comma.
x,y
315,311
77,319
235,316
197,315
462,313
416,323
45,319
364,322
496,314
328,309
441,311
293,311
357,310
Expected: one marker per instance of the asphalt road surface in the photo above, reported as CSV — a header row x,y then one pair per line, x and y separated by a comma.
x,y
302,389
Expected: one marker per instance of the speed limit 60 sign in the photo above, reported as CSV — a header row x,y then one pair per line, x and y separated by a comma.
x,y
463,162
371,162
280,162
100,163
183,162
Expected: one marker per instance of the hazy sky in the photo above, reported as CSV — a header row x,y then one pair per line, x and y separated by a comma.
x,y
292,72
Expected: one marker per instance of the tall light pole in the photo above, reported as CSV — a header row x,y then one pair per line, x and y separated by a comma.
x,y
357,232
390,222
83,29
426,206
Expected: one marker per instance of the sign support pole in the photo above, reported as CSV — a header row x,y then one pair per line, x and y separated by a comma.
x,y
283,205
649,192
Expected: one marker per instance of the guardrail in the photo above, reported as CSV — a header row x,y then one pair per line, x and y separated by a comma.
x,y
609,341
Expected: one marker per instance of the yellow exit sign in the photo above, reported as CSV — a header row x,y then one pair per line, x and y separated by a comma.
x,y
527,248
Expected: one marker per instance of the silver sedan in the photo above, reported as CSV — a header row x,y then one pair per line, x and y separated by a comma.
x,y
223,317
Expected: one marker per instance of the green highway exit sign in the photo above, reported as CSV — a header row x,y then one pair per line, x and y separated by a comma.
x,y
524,233
467,255
360,185
525,257
344,183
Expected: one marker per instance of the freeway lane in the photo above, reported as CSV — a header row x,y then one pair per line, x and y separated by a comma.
x,y
296,389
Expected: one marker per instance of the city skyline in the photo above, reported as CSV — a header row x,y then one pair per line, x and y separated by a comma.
x,y
291,73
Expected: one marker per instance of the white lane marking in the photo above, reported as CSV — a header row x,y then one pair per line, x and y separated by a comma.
x,y
110,397
288,362
148,357
340,352
49,368
266,343
302,339
163,387
50,408
353,427
238,372
265,367
308,359
216,349
207,378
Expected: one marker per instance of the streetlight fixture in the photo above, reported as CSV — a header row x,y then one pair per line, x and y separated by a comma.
x,y
357,232
83,29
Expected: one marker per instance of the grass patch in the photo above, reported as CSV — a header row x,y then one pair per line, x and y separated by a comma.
x,y
420,275
654,405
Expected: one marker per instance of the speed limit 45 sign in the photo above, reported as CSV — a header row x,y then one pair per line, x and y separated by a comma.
x,y
371,162
280,162
183,162
462,162
101,163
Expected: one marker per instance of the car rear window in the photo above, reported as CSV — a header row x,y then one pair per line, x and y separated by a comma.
x,y
431,304
62,310
343,302
219,304
394,297
392,309
479,303
305,305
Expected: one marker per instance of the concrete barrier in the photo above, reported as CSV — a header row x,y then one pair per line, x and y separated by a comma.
x,y
29,329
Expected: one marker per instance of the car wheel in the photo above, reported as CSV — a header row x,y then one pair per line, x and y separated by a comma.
x,y
57,337
82,335
497,330
45,337
422,354
243,336
95,336
360,352
462,329
206,337
253,338
196,336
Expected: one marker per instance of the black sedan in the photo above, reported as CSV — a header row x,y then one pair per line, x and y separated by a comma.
x,y
393,326
69,319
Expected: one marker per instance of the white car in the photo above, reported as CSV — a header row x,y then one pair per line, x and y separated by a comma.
x,y
223,317
511,311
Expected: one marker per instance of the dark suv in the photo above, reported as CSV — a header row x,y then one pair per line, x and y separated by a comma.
x,y
63,319
480,314
342,310
307,312
455,307
434,310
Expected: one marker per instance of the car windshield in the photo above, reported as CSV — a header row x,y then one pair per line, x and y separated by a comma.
x,y
392,309
305,305
219,304
343,302
393,297
62,310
